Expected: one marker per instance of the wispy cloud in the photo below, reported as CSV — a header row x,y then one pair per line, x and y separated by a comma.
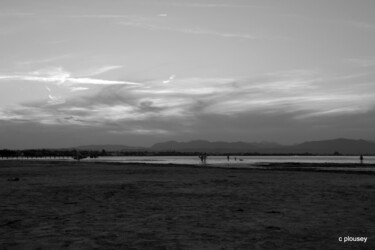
x,y
16,14
361,25
348,110
74,89
207,4
150,23
101,16
361,61
101,70
157,106
62,77
195,31
170,79
44,60
55,100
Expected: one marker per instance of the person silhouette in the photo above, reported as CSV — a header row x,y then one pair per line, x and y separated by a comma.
x,y
228,157
201,158
361,159
204,158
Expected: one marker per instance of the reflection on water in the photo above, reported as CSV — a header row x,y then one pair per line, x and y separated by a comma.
x,y
234,162
237,161
248,161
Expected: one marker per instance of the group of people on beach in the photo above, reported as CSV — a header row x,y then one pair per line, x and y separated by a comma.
x,y
203,158
235,158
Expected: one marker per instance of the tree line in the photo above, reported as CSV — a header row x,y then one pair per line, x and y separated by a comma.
x,y
49,153
80,154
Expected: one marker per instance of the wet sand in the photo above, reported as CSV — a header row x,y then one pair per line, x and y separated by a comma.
x,y
78,205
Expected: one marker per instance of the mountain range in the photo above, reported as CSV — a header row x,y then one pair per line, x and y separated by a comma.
x,y
335,146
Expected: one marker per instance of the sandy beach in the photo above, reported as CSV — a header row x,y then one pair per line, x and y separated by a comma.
x,y
78,205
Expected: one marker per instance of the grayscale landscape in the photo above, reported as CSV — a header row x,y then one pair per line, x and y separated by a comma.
x,y
187,124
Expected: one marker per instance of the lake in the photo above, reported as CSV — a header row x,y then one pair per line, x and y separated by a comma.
x,y
240,160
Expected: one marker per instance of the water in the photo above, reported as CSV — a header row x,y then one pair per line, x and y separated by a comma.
x,y
247,161
241,160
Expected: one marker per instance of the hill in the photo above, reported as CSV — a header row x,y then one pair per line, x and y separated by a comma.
x,y
329,147
341,146
212,147
108,147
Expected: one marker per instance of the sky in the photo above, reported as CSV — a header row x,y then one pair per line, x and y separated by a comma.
x,y
138,72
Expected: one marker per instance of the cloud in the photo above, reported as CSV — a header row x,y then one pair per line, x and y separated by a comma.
x,y
208,5
139,131
101,70
102,16
278,99
358,25
44,60
195,31
16,14
361,61
170,79
62,77
55,99
97,81
74,89
144,22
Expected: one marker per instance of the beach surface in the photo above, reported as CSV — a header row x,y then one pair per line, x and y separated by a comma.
x,y
81,205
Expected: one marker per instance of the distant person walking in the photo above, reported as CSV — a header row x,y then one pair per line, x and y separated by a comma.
x,y
201,158
361,159
228,157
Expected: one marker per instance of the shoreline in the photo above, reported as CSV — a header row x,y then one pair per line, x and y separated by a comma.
x,y
349,168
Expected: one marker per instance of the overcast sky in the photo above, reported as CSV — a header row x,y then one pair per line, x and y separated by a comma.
x,y
77,72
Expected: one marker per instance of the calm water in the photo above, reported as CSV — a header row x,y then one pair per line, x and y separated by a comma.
x,y
246,161
242,160
238,162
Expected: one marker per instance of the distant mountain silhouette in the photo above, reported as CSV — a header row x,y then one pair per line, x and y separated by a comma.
x,y
341,145
109,148
211,147
338,146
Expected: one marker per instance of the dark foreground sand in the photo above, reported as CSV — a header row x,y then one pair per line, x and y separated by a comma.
x,y
61,205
